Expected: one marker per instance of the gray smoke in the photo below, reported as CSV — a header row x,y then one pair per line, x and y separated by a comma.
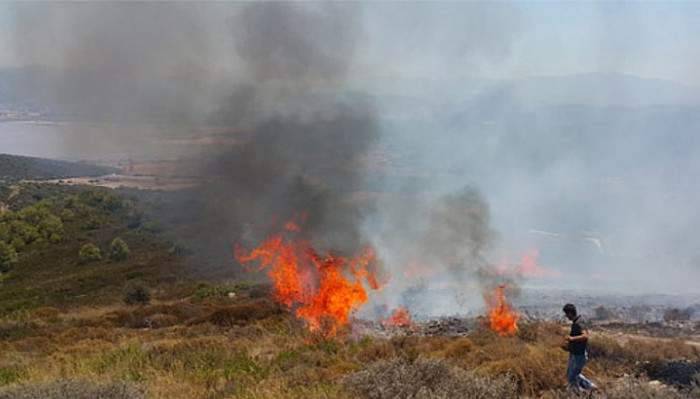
x,y
373,118
436,250
266,79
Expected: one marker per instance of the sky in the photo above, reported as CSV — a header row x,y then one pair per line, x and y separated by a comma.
x,y
513,40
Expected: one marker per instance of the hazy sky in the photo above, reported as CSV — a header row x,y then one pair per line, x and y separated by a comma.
x,y
513,40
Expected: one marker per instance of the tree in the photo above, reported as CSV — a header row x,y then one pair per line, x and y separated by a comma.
x,y
89,253
8,256
118,250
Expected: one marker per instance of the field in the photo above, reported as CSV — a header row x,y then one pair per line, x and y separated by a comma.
x,y
131,322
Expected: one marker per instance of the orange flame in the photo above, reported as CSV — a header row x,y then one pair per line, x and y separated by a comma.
x,y
399,318
502,318
322,290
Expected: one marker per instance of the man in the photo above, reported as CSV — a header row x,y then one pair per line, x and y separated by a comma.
x,y
578,351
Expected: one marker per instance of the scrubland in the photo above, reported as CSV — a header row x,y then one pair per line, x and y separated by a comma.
x,y
66,330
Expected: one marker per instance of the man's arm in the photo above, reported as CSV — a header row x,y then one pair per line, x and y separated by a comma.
x,y
584,332
582,337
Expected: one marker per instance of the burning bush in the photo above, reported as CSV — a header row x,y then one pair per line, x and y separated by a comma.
x,y
502,318
322,289
425,378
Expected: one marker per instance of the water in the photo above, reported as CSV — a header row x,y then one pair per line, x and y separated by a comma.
x,y
89,142
34,139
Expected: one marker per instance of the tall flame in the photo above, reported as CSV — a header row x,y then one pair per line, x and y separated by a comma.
x,y
323,290
502,318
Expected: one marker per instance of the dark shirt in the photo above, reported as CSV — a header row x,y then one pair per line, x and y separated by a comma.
x,y
578,325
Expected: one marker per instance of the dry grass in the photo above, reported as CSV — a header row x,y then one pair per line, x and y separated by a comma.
x,y
73,389
249,348
425,378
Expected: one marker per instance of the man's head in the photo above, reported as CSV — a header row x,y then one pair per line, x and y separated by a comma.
x,y
570,311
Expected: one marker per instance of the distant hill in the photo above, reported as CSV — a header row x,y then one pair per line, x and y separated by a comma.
x,y
13,167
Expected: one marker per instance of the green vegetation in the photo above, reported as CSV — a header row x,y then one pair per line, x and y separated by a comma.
x,y
8,256
74,325
34,224
89,253
50,240
15,167
118,250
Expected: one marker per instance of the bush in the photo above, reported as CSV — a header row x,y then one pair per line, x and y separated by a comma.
x,y
18,243
73,389
603,313
51,228
675,314
8,256
25,231
425,378
118,250
136,294
89,253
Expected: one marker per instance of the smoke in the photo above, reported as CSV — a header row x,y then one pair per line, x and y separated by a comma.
x,y
437,250
273,84
270,76
377,123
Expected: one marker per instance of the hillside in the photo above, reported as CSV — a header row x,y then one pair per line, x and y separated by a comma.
x,y
14,167
81,319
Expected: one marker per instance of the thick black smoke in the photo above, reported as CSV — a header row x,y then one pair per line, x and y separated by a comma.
x,y
267,79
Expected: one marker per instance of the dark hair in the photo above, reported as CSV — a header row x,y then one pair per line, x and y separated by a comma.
x,y
569,308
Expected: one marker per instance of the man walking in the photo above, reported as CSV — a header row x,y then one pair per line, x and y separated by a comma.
x,y
578,351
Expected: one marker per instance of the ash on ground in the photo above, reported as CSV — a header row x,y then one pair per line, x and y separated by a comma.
x,y
447,326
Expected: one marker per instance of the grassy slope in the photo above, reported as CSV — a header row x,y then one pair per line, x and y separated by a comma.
x,y
51,274
61,319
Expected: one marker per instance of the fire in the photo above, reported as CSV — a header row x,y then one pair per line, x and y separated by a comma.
x,y
529,266
502,318
399,318
323,290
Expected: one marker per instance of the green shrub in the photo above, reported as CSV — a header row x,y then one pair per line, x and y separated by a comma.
x,y
8,256
50,227
91,223
5,232
67,214
118,250
18,243
8,375
136,293
34,214
25,231
89,253
100,199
